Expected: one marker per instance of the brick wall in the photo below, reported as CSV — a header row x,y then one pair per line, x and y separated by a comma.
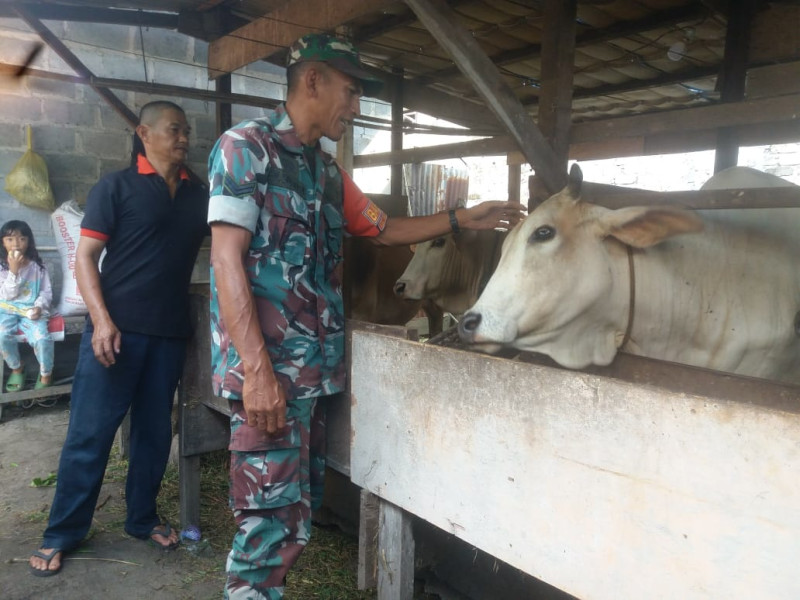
x,y
77,133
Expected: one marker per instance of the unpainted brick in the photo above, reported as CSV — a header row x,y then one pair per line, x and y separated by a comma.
x,y
51,87
72,166
164,44
112,145
53,138
98,35
12,135
20,108
70,113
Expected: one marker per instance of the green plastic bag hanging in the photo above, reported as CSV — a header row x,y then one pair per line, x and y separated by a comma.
x,y
28,181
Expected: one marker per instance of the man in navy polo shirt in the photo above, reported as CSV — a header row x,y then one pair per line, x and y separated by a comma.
x,y
150,219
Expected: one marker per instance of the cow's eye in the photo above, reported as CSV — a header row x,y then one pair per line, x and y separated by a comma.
x,y
542,234
438,242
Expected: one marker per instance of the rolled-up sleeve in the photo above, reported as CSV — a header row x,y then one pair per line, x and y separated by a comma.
x,y
236,164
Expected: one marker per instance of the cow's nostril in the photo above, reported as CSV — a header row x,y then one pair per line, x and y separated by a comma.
x,y
399,289
469,323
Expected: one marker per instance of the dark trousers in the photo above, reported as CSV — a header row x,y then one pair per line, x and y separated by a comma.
x,y
143,379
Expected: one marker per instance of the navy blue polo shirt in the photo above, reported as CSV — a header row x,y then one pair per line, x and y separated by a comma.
x,y
151,247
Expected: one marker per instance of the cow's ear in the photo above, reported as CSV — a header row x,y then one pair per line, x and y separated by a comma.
x,y
645,226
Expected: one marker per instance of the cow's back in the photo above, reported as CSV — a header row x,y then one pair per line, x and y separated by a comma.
x,y
724,299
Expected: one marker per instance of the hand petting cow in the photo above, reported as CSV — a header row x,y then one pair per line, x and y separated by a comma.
x,y
578,282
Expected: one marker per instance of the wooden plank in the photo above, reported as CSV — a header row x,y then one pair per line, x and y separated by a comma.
x,y
201,428
278,29
615,197
189,480
482,147
762,121
766,110
368,541
621,29
148,88
774,33
395,553
465,51
558,60
626,491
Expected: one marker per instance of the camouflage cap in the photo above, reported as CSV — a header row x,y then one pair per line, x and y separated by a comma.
x,y
338,53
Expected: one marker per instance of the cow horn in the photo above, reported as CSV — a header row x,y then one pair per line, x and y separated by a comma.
x,y
575,181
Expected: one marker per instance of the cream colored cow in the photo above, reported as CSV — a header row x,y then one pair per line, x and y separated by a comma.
x,y
709,291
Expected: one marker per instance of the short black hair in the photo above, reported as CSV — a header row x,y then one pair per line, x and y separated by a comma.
x,y
147,116
295,73
8,228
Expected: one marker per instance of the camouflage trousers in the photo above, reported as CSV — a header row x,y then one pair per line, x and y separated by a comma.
x,y
273,493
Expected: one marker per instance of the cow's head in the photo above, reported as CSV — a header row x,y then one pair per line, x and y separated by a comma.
x,y
443,270
562,280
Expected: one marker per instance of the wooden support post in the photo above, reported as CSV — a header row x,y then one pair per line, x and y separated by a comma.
x,y
514,175
224,112
397,131
733,76
368,541
395,553
558,58
443,24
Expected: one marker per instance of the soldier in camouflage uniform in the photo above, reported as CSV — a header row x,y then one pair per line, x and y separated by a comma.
x,y
278,211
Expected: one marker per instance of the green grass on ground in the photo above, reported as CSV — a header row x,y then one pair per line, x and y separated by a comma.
x,y
325,571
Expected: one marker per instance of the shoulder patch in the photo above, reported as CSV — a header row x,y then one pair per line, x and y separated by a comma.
x,y
231,187
374,215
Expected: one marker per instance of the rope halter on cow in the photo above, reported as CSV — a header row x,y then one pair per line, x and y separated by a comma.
x,y
632,299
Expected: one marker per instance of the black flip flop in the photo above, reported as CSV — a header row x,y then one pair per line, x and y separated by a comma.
x,y
48,556
163,530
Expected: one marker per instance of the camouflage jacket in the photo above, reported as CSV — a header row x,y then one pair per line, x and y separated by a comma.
x,y
261,179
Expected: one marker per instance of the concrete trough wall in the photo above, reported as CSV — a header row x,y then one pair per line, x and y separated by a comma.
x,y
602,488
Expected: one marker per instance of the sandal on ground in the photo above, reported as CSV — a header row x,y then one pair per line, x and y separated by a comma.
x,y
47,556
41,384
164,531
15,382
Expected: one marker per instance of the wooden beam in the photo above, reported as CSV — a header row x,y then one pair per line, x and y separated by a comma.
x,y
615,197
278,29
766,110
758,121
94,14
558,60
465,51
455,109
483,147
74,62
733,77
147,88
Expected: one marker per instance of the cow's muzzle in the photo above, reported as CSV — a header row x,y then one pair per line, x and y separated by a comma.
x,y
468,325
400,289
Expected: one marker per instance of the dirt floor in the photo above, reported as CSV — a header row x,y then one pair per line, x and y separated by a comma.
x,y
110,564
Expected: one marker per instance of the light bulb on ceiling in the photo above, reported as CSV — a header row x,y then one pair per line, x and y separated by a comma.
x,y
677,51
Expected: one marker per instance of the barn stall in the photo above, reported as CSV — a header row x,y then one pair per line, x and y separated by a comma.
x,y
640,480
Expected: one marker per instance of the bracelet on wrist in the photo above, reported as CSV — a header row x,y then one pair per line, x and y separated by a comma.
x,y
453,221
